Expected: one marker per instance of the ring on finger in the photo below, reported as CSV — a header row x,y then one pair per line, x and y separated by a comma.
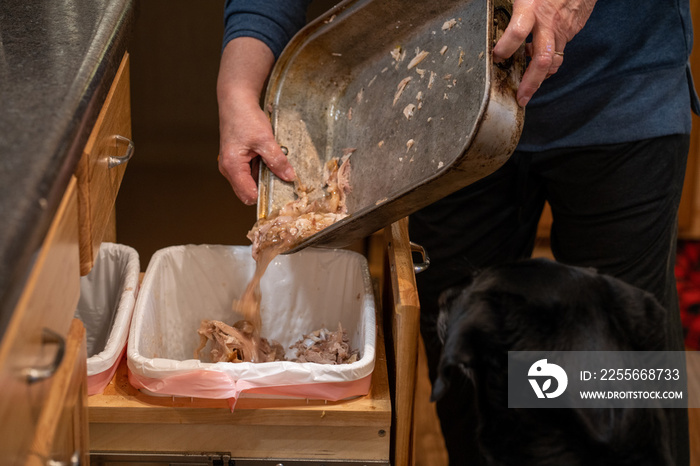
x,y
561,54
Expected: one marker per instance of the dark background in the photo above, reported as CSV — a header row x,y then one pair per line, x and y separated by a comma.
x,y
172,192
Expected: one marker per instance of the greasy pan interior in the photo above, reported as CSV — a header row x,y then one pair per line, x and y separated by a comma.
x,y
336,87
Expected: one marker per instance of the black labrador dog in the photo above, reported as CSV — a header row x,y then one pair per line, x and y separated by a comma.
x,y
541,305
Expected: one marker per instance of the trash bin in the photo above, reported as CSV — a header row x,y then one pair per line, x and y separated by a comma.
x,y
106,305
301,293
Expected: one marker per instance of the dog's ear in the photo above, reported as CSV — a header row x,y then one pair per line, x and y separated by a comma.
x,y
463,320
452,333
447,303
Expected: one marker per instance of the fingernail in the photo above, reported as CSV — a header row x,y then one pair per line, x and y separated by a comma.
x,y
252,199
523,101
289,174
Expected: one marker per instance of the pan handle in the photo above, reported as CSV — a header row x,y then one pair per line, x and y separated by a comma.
x,y
419,267
501,18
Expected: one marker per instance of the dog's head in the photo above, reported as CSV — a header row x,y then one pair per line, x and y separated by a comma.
x,y
540,305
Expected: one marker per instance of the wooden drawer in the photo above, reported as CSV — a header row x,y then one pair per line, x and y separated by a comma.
x,y
125,423
102,166
62,430
38,329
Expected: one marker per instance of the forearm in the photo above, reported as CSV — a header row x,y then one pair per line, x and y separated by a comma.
x,y
255,33
245,65
245,131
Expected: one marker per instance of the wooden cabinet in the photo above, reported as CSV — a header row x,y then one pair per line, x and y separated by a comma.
x,y
34,343
129,426
61,434
101,168
42,353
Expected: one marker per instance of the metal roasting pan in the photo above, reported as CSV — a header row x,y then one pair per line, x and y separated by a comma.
x,y
334,86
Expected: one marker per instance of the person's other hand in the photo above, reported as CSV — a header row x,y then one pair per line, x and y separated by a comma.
x,y
552,23
244,129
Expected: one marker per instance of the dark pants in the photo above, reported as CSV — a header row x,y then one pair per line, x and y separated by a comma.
x,y
614,208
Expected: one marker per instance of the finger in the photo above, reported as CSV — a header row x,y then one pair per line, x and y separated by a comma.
x,y
275,160
540,64
557,57
519,27
557,61
238,173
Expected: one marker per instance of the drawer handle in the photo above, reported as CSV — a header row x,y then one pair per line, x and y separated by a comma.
x,y
115,161
36,374
420,266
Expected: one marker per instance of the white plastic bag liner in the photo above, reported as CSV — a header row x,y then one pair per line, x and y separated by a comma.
x,y
301,292
107,298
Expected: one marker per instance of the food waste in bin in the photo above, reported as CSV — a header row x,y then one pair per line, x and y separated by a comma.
x,y
301,295
237,344
295,221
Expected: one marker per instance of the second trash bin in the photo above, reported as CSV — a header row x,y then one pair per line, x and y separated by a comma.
x,y
107,297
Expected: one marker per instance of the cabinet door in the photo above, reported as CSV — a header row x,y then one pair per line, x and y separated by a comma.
x,y
34,341
62,431
101,168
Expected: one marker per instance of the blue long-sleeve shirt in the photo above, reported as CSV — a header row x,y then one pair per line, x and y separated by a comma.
x,y
625,76
272,21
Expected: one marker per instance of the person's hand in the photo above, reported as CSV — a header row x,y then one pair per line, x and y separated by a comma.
x,y
245,138
552,23
245,131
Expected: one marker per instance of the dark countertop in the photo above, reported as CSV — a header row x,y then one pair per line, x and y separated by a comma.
x,y
57,61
